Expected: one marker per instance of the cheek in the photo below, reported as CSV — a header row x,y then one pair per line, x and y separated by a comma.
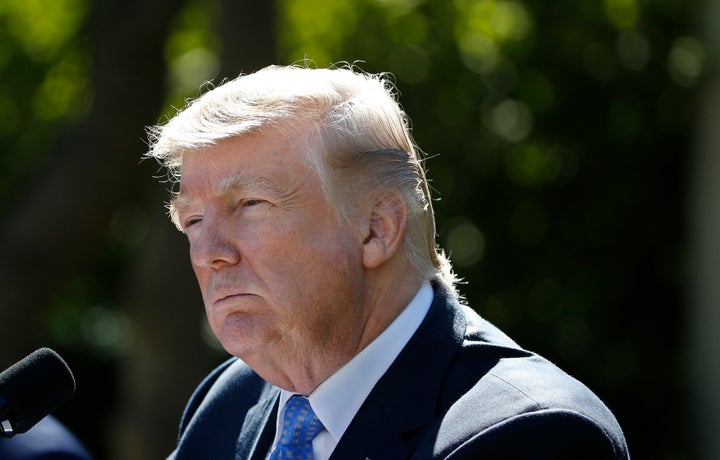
x,y
331,278
318,264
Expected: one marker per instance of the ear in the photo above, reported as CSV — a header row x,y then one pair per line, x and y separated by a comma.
x,y
386,229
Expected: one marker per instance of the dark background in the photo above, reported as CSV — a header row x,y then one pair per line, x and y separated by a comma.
x,y
569,146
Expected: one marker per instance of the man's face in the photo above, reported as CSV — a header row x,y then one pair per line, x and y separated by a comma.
x,y
281,278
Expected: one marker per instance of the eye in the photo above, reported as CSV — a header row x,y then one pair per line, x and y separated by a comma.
x,y
251,202
191,221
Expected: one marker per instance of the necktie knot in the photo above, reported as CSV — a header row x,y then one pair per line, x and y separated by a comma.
x,y
300,426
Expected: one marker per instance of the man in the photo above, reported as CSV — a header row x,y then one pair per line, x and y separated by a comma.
x,y
312,237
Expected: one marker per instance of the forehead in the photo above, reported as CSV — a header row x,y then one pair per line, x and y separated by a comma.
x,y
265,161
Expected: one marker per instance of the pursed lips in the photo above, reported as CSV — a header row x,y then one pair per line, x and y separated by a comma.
x,y
221,296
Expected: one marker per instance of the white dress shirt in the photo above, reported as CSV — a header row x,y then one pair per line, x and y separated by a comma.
x,y
337,399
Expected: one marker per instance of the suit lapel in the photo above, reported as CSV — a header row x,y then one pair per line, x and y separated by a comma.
x,y
258,428
404,401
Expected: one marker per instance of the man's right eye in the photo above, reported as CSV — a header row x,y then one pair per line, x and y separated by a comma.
x,y
192,221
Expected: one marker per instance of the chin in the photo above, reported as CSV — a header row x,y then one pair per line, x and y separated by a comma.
x,y
239,344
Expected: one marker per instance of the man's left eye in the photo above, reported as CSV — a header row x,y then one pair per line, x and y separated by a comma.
x,y
251,202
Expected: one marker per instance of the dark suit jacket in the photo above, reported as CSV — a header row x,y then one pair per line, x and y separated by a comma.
x,y
460,389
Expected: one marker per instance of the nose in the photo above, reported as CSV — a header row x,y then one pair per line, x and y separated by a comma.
x,y
212,247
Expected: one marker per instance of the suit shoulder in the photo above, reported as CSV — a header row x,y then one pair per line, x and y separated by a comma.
x,y
501,388
557,434
516,375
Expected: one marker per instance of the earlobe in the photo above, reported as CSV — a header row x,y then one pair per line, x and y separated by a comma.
x,y
386,230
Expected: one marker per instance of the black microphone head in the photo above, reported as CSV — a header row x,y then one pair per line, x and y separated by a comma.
x,y
33,387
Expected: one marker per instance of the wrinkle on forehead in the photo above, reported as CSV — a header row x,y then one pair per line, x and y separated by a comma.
x,y
224,187
242,182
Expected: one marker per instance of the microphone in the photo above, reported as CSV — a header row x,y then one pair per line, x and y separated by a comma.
x,y
32,388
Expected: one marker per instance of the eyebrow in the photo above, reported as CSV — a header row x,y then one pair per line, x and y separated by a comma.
x,y
226,186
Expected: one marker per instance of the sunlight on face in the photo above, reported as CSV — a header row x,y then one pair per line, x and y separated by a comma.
x,y
281,278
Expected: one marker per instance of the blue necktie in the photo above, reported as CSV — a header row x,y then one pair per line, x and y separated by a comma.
x,y
300,426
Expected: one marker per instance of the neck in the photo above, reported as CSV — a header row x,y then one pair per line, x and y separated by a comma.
x,y
385,296
388,300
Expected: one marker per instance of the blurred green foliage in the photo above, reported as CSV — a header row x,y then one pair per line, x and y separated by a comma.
x,y
44,70
192,51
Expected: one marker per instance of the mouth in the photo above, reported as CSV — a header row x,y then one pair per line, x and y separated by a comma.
x,y
227,298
